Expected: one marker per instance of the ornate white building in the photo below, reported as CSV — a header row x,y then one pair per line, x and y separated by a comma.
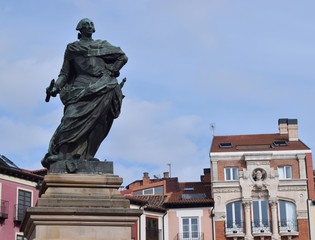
x,y
260,185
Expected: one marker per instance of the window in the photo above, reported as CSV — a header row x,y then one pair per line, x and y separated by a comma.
x,y
280,143
225,145
190,228
287,216
20,237
231,173
150,191
253,147
285,172
194,196
261,221
234,222
24,201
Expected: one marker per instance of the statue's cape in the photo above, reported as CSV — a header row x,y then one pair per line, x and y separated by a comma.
x,y
91,48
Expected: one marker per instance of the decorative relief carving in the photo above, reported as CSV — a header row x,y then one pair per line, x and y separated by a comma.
x,y
292,188
259,194
302,214
226,190
273,203
219,216
247,203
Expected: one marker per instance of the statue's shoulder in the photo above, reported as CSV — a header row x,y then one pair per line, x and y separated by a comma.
x,y
73,45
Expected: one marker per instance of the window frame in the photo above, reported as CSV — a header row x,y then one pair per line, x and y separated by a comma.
x,y
235,224
284,172
18,198
264,224
290,223
190,231
142,192
231,173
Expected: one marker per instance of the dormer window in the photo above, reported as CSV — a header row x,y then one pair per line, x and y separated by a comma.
x,y
225,145
280,143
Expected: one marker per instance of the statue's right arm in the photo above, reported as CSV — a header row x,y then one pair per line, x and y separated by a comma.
x,y
62,78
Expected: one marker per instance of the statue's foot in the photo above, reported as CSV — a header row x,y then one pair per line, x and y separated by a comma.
x,y
93,159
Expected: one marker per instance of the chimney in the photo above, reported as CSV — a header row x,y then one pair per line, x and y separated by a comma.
x,y
283,126
206,176
145,179
293,130
166,175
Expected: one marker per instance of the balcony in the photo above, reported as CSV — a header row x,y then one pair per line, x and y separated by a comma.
x,y
234,229
190,236
288,227
4,207
261,227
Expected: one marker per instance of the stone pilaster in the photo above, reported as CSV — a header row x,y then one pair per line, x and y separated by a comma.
x,y
275,232
248,232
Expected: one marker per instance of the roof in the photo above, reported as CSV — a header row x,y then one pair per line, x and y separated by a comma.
x,y
256,139
21,173
9,168
199,195
151,202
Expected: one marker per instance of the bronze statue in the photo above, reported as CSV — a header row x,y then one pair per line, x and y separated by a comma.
x,y
90,92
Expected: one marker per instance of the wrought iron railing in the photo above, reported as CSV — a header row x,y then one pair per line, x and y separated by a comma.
x,y
19,210
234,227
190,236
287,226
261,226
4,209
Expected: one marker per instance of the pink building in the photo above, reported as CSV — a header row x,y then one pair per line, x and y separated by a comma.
x,y
18,190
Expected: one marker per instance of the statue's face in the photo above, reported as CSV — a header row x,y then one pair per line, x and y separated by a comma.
x,y
258,175
87,28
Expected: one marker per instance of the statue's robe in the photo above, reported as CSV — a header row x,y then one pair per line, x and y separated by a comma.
x,y
91,94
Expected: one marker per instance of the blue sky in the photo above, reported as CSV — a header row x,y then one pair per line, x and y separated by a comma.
x,y
239,64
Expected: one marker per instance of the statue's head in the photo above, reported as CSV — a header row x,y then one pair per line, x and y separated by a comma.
x,y
85,26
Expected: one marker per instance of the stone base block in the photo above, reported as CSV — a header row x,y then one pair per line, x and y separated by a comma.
x,y
79,223
80,206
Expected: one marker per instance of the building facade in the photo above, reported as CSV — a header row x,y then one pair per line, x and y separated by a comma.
x,y
172,210
260,185
18,191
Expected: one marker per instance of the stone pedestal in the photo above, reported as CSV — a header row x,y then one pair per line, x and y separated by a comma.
x,y
80,206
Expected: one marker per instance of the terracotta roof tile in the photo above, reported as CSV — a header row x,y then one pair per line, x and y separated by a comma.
x,y
195,189
255,139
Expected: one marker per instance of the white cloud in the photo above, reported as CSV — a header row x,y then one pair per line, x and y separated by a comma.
x,y
146,134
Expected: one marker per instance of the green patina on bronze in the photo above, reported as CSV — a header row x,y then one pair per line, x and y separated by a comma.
x,y
92,97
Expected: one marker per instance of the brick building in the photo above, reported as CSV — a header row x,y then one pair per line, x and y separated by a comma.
x,y
261,185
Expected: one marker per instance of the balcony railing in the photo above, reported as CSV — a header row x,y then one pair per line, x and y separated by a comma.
x,y
190,236
4,209
287,226
261,226
19,210
234,227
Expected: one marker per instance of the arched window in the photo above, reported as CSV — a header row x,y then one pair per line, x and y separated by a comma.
x,y
234,221
287,217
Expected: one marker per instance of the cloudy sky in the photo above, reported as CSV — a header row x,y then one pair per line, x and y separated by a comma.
x,y
238,64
